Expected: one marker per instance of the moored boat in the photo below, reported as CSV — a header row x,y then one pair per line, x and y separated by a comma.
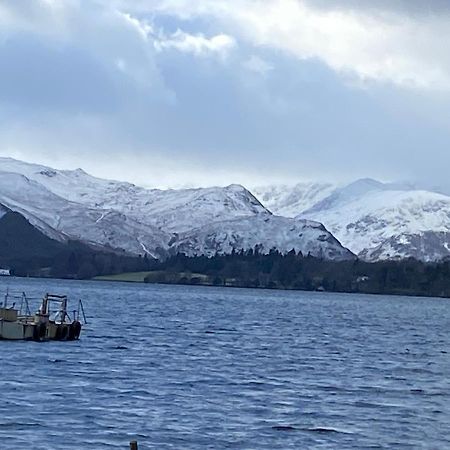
x,y
46,324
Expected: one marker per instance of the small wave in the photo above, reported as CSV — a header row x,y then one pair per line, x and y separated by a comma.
x,y
55,361
327,430
417,391
283,428
18,425
319,430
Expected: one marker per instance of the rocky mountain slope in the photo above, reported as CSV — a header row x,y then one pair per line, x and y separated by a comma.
x,y
73,204
424,246
280,233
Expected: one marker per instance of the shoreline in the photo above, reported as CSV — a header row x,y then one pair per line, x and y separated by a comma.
x,y
118,279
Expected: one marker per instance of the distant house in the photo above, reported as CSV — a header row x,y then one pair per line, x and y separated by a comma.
x,y
362,279
5,272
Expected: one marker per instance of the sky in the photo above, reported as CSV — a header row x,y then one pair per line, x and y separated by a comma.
x,y
170,93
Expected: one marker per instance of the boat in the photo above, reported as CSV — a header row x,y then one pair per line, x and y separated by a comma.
x,y
47,324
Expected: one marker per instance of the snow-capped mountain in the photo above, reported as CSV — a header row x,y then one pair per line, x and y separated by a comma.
x,y
72,204
372,219
265,232
61,219
289,201
364,223
172,210
382,221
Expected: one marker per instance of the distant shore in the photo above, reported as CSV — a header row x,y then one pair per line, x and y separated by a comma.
x,y
198,279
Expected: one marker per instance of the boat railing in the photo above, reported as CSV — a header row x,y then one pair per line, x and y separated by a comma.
x,y
12,298
62,313
19,302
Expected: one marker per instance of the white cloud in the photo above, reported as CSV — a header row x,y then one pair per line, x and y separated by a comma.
x,y
379,45
197,44
258,65
363,43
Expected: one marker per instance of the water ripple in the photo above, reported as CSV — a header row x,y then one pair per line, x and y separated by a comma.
x,y
193,368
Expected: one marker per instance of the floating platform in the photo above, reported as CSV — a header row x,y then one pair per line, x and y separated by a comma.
x,y
18,324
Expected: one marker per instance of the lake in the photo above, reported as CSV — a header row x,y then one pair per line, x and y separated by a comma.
x,y
214,368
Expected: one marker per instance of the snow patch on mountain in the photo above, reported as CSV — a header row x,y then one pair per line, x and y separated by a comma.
x,y
343,196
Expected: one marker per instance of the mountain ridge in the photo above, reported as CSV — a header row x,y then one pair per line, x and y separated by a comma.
x,y
73,204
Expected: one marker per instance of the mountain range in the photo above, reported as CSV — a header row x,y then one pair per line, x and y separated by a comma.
x,y
72,205
373,220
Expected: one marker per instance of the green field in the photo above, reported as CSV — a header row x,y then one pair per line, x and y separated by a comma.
x,y
133,277
158,277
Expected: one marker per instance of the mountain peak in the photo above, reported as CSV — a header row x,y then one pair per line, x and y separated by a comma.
x,y
365,183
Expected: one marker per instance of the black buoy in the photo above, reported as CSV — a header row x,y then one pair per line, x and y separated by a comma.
x,y
74,330
39,332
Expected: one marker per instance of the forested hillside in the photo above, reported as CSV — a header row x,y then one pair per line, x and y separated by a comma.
x,y
296,271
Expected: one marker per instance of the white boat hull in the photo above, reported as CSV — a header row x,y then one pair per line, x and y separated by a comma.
x,y
16,331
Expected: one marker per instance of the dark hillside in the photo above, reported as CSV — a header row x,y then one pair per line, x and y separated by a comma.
x,y
20,239
26,251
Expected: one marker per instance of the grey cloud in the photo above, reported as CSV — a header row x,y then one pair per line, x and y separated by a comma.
x,y
413,7
37,75
65,100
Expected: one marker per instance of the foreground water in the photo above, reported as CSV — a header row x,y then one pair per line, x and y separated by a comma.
x,y
204,368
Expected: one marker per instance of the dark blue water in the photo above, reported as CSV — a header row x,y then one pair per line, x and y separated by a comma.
x,y
205,368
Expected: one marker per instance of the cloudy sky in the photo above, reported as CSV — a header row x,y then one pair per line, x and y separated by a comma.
x,y
186,92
